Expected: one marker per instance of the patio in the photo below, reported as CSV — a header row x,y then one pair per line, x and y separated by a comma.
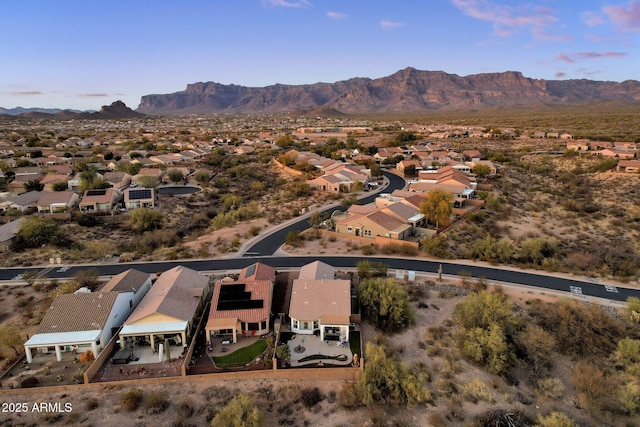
x,y
47,369
302,346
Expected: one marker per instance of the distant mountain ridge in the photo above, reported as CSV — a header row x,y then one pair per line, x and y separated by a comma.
x,y
116,111
408,90
21,110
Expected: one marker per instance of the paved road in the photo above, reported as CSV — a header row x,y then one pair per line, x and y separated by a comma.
x,y
272,242
448,268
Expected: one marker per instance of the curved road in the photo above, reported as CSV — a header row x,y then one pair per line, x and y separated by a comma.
x,y
273,241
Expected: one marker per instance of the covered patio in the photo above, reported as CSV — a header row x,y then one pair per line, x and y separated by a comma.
x,y
152,335
62,342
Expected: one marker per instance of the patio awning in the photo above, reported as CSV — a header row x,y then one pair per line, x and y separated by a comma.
x,y
138,329
62,338
217,324
334,320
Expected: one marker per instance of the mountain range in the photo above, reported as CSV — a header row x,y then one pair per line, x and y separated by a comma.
x,y
407,90
116,111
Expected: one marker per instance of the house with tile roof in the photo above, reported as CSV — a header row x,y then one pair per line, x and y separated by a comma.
x,y
169,309
99,200
243,306
372,224
133,282
9,231
57,201
79,322
320,303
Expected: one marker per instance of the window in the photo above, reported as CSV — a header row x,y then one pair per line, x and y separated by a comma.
x,y
305,325
316,325
254,326
263,325
367,232
295,323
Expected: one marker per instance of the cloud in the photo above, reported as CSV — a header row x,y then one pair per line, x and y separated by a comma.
x,y
565,58
93,95
27,93
592,19
284,3
575,57
389,25
625,18
560,75
508,20
336,15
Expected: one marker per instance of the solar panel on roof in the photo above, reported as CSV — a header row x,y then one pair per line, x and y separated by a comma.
x,y
235,297
144,193
100,192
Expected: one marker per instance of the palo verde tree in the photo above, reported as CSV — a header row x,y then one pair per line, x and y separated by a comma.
x,y
143,219
241,411
35,232
438,207
386,303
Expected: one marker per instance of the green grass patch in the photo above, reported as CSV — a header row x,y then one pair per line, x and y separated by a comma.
x,y
242,356
354,343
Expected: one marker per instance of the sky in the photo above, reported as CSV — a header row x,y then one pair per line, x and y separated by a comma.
x,y
82,54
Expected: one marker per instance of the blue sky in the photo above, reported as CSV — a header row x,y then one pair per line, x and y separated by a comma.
x,y
83,54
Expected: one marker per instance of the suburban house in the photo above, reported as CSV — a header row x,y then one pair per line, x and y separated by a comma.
x,y
372,224
168,310
133,282
628,166
320,303
402,166
153,172
9,231
17,186
50,180
57,201
79,322
339,177
140,198
118,180
22,202
243,306
100,200
620,153
446,179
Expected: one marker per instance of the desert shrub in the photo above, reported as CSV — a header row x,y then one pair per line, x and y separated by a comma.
x,y
594,387
241,411
537,346
311,396
555,419
87,357
552,388
91,404
476,390
185,408
579,331
436,246
132,399
368,269
385,381
157,401
293,238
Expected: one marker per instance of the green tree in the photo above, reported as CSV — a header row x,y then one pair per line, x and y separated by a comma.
x,y
293,238
35,232
438,207
203,176
483,309
10,338
487,347
386,303
481,170
175,175
283,352
33,185
143,219
241,411
317,218
60,186
368,269
633,305
149,181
